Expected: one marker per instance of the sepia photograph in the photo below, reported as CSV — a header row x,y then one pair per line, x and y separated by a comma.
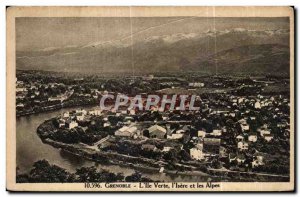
x,y
164,99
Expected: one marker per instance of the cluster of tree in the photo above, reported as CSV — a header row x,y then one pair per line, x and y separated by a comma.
x,y
49,130
44,172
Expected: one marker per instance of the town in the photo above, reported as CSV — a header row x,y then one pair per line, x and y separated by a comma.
x,y
242,124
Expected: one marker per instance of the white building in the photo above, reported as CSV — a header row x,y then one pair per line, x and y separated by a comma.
x,y
240,138
196,154
95,112
80,117
245,127
243,145
216,132
84,112
252,138
264,132
126,131
106,124
268,137
166,149
71,124
157,131
196,84
201,133
257,105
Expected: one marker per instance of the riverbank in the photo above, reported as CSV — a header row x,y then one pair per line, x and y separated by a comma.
x,y
53,108
118,159
138,163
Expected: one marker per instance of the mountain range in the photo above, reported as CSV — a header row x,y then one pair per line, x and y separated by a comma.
x,y
235,50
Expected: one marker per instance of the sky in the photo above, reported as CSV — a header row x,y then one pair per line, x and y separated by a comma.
x,y
43,33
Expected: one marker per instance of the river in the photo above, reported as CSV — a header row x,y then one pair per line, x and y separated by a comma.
x,y
30,148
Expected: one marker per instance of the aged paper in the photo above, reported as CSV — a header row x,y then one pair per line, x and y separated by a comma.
x,y
151,99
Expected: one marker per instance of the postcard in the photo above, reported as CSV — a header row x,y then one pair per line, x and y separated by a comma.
x,y
150,99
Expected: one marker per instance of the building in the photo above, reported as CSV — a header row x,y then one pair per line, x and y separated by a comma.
x,y
126,131
80,116
240,138
211,145
196,154
201,133
84,112
167,148
257,105
258,160
217,132
245,127
196,84
252,137
243,145
107,124
264,132
70,124
95,112
268,137
157,131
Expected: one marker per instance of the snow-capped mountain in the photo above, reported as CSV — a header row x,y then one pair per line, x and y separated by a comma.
x,y
155,53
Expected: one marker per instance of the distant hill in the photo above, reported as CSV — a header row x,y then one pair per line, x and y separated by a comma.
x,y
265,58
236,50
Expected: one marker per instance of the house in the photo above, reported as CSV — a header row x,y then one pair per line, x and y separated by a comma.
x,y
258,160
196,84
211,145
264,132
268,137
245,127
243,145
196,154
252,118
157,131
84,112
95,112
232,114
241,100
259,156
107,124
70,124
217,132
240,138
167,148
242,121
201,133
257,105
126,131
252,137
80,116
